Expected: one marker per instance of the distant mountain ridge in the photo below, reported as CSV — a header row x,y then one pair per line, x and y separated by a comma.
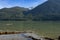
x,y
50,10
12,13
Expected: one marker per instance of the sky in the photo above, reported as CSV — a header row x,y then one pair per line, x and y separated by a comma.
x,y
21,3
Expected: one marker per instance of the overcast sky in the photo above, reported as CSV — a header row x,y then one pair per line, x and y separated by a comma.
x,y
21,3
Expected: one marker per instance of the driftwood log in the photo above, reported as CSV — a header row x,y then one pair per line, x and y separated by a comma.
x,y
17,32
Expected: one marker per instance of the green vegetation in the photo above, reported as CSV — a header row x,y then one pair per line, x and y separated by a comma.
x,y
12,13
48,11
50,29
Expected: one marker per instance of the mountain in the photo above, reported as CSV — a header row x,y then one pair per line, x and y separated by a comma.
x,y
49,10
12,13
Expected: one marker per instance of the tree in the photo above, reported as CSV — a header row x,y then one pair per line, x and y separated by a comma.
x,y
30,17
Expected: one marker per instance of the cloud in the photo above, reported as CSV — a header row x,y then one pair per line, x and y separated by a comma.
x,y
22,3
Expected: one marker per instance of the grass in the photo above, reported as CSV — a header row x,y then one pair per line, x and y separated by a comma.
x,y
50,29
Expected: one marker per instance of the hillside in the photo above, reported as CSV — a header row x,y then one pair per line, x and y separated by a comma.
x,y
50,10
12,13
